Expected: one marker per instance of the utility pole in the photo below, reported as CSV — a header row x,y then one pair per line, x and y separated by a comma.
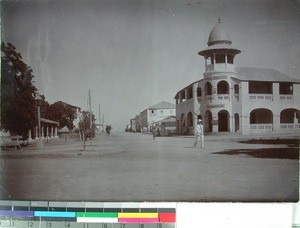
x,y
90,107
99,119
103,122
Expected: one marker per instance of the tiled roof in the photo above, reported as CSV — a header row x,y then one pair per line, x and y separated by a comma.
x,y
69,104
210,50
163,105
191,84
167,120
263,74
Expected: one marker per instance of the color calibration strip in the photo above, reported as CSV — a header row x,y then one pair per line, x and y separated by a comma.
x,y
92,217
126,216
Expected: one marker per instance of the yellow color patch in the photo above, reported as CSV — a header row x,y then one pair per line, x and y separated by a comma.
x,y
137,215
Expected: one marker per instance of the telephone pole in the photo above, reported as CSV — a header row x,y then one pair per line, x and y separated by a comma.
x,y
99,119
90,107
103,122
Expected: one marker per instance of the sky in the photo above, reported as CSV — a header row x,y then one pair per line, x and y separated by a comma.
x,y
133,54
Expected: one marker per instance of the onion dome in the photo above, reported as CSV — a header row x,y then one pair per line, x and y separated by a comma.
x,y
219,41
219,35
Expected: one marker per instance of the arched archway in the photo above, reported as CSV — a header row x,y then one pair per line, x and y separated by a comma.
x,y
236,122
182,123
199,92
223,87
236,89
223,121
261,116
208,89
208,121
190,122
289,115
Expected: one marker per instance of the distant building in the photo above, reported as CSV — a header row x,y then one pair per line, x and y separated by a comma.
x,y
138,123
166,126
76,111
246,100
155,113
133,125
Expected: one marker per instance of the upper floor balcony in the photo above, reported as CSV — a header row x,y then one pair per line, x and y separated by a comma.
x,y
269,91
220,67
261,97
270,97
256,91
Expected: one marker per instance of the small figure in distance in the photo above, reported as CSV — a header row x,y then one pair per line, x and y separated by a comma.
x,y
200,134
154,132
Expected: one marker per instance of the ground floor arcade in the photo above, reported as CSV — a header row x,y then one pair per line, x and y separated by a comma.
x,y
260,120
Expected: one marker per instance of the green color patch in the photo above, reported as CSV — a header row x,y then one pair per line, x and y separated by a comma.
x,y
97,214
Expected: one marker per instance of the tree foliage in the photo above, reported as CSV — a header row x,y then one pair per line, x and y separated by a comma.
x,y
108,129
62,113
17,92
85,127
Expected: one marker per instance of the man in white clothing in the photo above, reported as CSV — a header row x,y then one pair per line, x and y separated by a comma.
x,y
200,134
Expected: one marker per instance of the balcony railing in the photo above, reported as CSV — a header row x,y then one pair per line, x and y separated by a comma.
x,y
288,126
223,97
208,97
269,97
236,96
261,97
261,127
286,97
199,100
219,66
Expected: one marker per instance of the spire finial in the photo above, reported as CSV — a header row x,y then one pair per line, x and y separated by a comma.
x,y
219,20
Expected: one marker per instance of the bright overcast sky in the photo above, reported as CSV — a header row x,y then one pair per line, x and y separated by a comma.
x,y
133,54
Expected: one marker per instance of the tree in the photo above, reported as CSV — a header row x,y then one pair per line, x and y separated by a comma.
x,y
62,113
108,129
85,128
17,92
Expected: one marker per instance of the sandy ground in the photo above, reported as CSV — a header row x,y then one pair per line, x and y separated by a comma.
x,y
134,167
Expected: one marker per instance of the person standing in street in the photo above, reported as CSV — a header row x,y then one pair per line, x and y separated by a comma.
x,y
200,134
154,132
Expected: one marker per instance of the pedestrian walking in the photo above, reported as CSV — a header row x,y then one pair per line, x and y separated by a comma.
x,y
200,134
154,132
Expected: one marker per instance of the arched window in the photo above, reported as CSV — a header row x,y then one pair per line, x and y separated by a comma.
x,y
236,89
190,119
223,87
290,115
208,88
190,93
261,116
223,120
208,121
199,92
236,121
182,120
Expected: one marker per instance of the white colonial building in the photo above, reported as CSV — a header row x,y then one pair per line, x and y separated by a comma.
x,y
156,113
245,100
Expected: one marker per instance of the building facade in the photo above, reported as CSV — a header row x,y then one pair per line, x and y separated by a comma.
x,y
166,126
138,123
76,111
246,100
133,124
155,113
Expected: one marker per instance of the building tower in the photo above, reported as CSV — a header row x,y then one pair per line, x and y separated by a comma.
x,y
218,88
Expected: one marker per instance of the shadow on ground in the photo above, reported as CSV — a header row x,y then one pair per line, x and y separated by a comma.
x,y
291,152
